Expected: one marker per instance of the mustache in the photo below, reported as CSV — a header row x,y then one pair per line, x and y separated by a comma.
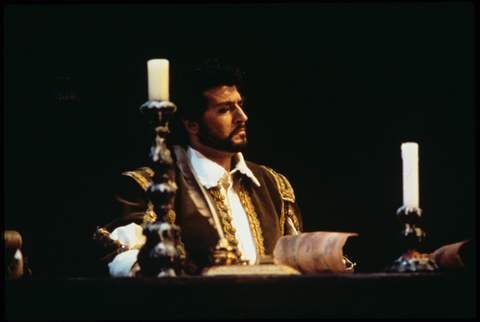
x,y
240,128
237,129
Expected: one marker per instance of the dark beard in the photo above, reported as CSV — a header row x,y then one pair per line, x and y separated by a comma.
x,y
210,139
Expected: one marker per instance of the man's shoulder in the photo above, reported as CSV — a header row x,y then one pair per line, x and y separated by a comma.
x,y
268,175
143,176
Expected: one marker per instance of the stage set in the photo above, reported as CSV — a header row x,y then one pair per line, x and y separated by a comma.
x,y
368,109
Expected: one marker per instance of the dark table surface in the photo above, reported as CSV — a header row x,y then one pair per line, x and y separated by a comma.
x,y
379,295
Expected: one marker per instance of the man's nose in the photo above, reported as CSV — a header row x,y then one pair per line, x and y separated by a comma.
x,y
240,116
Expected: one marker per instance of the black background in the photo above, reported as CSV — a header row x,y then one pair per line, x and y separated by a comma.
x,y
333,91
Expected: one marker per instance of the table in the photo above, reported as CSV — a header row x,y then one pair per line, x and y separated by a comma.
x,y
378,295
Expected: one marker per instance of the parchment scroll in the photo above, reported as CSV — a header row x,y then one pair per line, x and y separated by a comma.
x,y
447,257
314,252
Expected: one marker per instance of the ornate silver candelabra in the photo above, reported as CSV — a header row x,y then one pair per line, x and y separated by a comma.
x,y
163,254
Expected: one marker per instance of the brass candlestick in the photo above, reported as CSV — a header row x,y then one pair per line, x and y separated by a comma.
x,y
410,238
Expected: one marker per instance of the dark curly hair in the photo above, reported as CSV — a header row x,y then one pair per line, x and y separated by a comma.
x,y
189,81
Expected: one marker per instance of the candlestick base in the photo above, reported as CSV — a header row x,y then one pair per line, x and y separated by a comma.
x,y
410,239
410,262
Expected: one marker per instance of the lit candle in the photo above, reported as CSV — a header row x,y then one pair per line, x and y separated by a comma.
x,y
158,80
410,175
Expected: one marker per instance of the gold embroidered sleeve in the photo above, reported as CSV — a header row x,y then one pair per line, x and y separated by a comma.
x,y
102,236
143,180
252,218
288,197
143,177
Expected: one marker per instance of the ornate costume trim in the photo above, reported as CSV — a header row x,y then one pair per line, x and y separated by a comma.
x,y
291,217
102,236
226,219
150,215
171,216
252,217
284,187
288,198
142,180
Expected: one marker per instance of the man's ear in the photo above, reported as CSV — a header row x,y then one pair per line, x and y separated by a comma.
x,y
191,126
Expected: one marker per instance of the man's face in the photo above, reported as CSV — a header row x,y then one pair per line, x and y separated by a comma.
x,y
223,124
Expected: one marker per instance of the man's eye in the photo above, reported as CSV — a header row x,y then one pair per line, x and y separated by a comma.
x,y
223,110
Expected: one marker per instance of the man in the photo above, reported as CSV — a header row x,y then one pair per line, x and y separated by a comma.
x,y
256,205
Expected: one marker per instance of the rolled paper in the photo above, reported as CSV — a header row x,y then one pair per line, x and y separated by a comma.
x,y
314,252
410,175
158,80
448,257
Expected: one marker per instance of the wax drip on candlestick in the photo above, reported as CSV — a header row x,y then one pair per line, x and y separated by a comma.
x,y
409,214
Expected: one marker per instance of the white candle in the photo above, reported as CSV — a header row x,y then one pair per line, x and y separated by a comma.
x,y
410,175
158,80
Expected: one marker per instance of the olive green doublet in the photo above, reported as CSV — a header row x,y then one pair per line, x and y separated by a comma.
x,y
270,204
